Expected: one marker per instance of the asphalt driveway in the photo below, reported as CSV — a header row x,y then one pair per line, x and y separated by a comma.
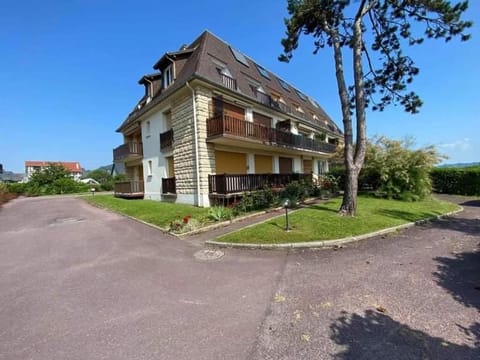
x,y
77,282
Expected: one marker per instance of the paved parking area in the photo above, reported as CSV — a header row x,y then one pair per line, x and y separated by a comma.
x,y
77,282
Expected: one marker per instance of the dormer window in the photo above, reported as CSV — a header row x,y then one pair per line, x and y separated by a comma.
x,y
224,71
297,108
227,78
167,77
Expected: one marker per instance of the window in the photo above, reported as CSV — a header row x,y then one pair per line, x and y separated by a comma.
x,y
260,94
322,167
224,71
239,57
263,72
283,84
227,78
148,127
167,77
301,95
149,168
297,108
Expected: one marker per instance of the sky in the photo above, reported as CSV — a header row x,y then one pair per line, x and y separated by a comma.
x,y
69,72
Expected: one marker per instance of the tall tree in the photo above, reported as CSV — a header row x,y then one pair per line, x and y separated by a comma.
x,y
374,31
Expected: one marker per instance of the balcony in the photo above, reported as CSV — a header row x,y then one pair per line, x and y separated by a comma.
x,y
225,184
166,140
225,125
229,82
169,186
128,151
129,189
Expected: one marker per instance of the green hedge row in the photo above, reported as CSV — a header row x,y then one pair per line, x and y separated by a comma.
x,y
460,181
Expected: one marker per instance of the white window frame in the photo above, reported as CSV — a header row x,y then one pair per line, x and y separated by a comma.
x,y
167,76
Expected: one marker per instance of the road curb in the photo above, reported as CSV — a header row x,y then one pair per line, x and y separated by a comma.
x,y
328,243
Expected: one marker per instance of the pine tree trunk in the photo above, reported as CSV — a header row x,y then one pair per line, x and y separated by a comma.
x,y
349,203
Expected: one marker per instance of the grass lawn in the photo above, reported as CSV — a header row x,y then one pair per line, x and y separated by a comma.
x,y
321,222
153,212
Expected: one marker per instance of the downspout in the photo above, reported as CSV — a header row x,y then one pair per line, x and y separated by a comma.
x,y
197,167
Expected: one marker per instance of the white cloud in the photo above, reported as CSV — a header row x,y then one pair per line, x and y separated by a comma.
x,y
459,145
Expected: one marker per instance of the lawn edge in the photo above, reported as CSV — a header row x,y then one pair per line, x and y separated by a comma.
x,y
328,243
128,216
203,229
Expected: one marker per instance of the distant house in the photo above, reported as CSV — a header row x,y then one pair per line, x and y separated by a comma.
x,y
213,124
73,167
9,177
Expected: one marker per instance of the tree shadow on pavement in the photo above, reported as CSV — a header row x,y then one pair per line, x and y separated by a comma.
x,y
460,276
376,336
475,203
466,226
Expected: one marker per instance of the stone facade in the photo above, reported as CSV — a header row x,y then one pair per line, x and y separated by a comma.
x,y
184,146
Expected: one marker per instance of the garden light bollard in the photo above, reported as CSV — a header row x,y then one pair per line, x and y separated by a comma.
x,y
286,204
92,190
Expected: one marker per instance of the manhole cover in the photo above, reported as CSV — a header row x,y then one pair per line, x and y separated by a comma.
x,y
208,254
65,221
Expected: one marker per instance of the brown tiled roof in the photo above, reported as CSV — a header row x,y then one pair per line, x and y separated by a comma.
x,y
205,55
69,165
149,77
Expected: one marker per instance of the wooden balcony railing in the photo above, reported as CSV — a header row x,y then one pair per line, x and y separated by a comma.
x,y
129,189
169,186
228,125
129,149
281,106
264,98
237,183
166,139
229,82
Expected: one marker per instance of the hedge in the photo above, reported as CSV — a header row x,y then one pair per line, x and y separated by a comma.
x,y
459,181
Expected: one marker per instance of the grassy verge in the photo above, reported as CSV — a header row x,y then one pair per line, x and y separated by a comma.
x,y
321,222
153,212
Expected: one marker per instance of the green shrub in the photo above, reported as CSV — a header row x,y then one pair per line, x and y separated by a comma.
x,y
296,191
257,200
5,194
460,181
17,188
393,169
219,213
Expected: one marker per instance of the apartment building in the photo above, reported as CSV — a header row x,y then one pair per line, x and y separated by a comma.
x,y
214,123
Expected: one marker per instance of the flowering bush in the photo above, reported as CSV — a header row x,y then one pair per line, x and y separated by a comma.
x,y
183,225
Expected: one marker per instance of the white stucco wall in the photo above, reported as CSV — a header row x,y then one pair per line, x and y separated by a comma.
x,y
151,152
